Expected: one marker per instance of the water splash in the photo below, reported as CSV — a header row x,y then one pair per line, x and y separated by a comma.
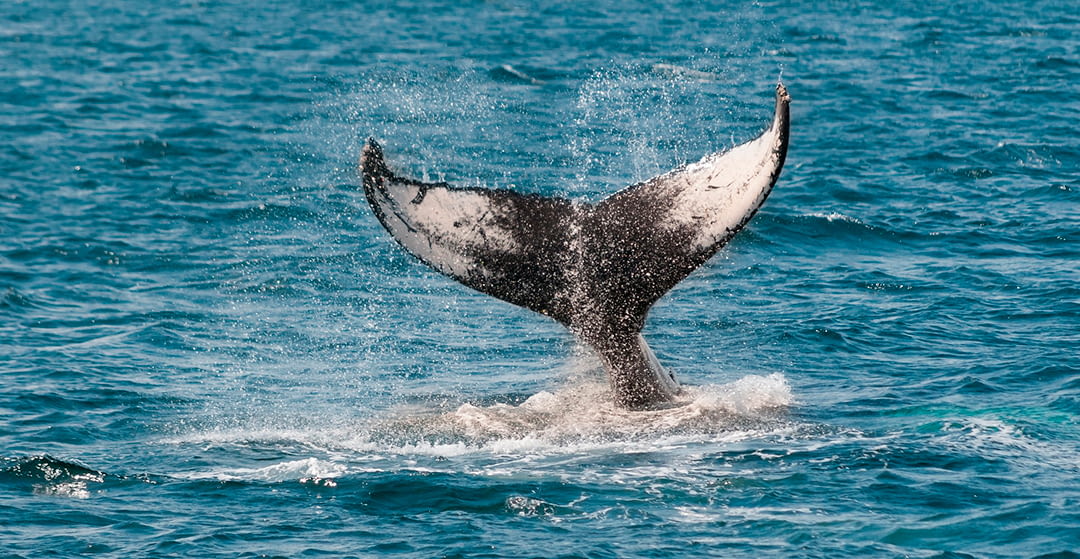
x,y
574,421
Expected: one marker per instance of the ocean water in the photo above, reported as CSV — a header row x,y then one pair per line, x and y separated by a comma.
x,y
210,348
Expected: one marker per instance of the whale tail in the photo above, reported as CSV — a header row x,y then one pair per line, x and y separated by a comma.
x,y
595,268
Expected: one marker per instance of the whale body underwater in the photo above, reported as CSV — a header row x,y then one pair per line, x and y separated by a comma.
x,y
597,268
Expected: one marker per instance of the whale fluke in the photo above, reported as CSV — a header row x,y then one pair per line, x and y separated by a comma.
x,y
595,268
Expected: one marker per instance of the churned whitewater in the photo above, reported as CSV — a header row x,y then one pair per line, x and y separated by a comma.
x,y
210,348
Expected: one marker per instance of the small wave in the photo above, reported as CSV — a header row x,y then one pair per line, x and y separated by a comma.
x,y
14,299
994,437
834,216
50,476
510,73
1009,154
837,230
307,470
1056,63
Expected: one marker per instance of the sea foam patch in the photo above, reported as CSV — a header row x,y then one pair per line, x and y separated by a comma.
x,y
583,412
305,470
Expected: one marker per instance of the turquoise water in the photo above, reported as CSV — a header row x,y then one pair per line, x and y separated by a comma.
x,y
210,348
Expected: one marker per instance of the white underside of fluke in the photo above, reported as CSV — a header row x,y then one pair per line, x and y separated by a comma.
x,y
718,194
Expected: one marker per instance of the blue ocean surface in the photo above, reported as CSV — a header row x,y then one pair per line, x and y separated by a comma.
x,y
210,348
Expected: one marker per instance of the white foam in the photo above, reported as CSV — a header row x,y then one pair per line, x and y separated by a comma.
x,y
835,216
520,75
581,415
75,488
306,470
698,515
989,436
71,489
749,395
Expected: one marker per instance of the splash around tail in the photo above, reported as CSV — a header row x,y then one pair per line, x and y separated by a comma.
x,y
581,413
